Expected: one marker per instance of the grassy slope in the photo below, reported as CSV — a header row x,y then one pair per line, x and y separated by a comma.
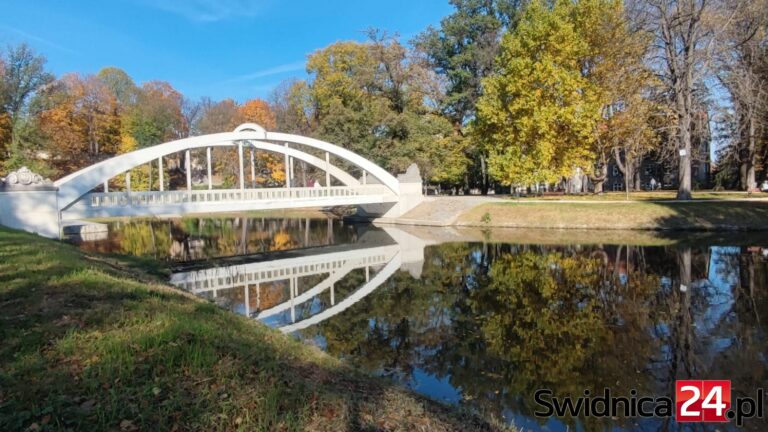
x,y
699,215
87,346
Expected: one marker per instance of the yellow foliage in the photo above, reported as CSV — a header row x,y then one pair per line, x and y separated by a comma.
x,y
127,144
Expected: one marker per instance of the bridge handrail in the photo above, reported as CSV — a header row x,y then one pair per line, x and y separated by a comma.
x,y
145,198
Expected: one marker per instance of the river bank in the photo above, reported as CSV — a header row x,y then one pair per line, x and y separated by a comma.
x,y
503,212
94,343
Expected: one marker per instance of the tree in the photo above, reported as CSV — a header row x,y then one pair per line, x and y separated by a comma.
x,y
191,112
538,115
271,166
684,42
616,65
292,103
373,99
121,85
81,123
463,50
23,75
258,111
742,71
157,116
219,117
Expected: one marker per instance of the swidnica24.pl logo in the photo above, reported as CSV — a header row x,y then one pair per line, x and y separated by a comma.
x,y
695,401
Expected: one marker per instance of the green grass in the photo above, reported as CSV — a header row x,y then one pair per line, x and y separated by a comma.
x,y
88,344
694,215
661,195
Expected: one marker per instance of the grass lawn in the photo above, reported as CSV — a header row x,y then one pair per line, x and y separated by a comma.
x,y
89,344
694,215
661,195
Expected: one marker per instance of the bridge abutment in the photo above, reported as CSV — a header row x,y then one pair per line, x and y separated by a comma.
x,y
411,195
30,203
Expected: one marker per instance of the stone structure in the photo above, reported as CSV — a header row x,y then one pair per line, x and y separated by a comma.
x,y
29,202
411,195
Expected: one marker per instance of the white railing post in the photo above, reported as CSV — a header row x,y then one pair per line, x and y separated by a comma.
x,y
327,169
287,169
188,167
208,157
253,169
162,175
240,165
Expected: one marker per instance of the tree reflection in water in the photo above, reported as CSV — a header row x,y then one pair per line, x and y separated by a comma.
x,y
498,321
486,324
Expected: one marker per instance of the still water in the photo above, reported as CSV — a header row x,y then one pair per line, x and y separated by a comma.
x,y
482,323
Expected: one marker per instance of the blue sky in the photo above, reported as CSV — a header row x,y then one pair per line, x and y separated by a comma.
x,y
218,48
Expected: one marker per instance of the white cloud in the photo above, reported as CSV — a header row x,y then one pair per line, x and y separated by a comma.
x,y
277,70
208,10
32,38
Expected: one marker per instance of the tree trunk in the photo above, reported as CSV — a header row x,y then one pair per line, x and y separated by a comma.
x,y
751,182
684,169
483,175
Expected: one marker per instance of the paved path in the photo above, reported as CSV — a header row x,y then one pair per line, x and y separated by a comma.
x,y
442,210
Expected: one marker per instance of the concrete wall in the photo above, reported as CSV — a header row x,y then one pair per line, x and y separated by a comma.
x,y
410,196
31,211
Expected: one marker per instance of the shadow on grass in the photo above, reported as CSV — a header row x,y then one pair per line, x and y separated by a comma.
x,y
733,223
87,348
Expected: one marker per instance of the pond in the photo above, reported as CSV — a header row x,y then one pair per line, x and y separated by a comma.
x,y
472,320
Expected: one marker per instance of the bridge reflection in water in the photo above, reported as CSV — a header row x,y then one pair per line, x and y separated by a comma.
x,y
292,290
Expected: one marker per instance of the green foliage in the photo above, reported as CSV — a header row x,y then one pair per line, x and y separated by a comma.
x,y
538,115
463,50
372,98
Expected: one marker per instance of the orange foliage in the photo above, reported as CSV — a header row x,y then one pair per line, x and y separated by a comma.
x,y
83,123
5,133
258,111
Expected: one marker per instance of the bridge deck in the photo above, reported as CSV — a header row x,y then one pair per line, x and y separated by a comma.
x,y
155,203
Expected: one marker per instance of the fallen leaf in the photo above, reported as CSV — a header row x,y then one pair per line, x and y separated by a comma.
x,y
87,406
127,426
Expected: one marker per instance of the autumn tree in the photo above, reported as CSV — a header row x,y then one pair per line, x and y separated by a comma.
x,y
258,111
23,75
683,38
269,167
293,105
741,68
121,85
616,65
81,123
156,118
462,50
372,98
538,114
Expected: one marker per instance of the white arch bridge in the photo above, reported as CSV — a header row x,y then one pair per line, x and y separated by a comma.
x,y
42,208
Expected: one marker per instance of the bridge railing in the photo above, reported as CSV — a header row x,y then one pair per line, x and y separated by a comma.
x,y
119,199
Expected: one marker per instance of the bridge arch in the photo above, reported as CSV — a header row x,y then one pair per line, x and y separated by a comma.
x,y
73,187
